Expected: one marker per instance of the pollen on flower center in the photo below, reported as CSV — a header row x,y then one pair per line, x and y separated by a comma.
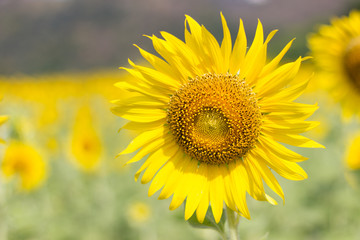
x,y
352,61
215,118
211,125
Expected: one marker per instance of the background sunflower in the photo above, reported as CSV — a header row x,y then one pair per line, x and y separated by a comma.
x,y
336,51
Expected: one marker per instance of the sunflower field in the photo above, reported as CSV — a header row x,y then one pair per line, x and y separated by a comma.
x,y
226,130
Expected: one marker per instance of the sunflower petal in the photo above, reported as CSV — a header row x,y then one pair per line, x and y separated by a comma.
x,y
216,190
213,48
256,188
166,171
226,45
159,64
289,108
288,94
296,140
239,185
229,200
271,83
279,150
280,127
157,160
148,148
286,169
255,57
275,61
193,199
183,189
144,126
203,204
268,177
157,77
173,180
143,90
144,138
238,54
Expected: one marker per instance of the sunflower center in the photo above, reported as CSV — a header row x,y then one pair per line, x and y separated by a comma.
x,y
352,61
215,118
210,125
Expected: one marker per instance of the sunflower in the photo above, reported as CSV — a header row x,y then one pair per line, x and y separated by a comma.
x,y
336,51
3,119
352,161
26,162
86,144
352,158
211,118
139,212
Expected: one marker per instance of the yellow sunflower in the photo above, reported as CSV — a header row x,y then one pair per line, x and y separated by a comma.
x,y
336,51
139,212
26,162
3,119
352,158
86,145
211,118
352,161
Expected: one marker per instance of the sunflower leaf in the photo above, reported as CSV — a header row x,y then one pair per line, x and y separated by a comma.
x,y
209,221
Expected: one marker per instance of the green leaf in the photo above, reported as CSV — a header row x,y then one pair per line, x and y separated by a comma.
x,y
209,221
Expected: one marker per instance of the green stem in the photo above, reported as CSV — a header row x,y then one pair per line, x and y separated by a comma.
x,y
223,235
233,221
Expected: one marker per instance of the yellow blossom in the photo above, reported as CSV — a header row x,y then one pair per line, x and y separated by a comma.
x,y
336,51
139,212
211,118
86,145
24,161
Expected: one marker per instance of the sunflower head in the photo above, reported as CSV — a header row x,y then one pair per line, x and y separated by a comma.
x,y
210,118
24,161
352,61
3,119
352,159
214,118
139,212
86,145
336,51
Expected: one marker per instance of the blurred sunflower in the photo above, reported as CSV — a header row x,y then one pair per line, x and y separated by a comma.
x,y
86,145
139,212
336,51
352,159
26,162
3,119
211,118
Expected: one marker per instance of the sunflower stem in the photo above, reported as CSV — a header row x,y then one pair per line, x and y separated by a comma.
x,y
233,221
223,235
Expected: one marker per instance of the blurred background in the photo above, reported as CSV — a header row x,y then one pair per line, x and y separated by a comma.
x,y
42,36
60,178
